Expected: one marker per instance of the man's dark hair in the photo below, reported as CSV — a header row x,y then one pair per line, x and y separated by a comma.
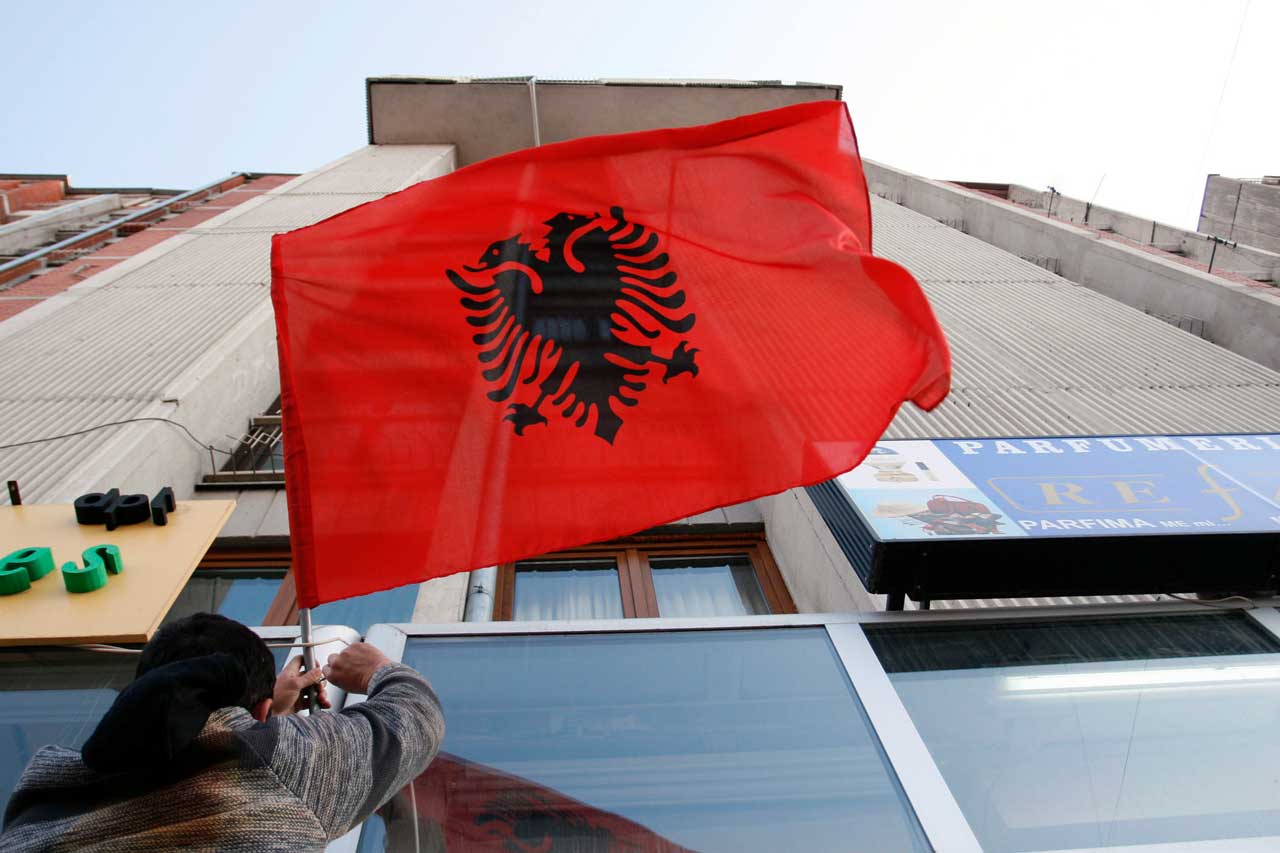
x,y
206,634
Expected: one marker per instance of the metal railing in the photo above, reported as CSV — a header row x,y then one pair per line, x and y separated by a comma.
x,y
71,243
256,461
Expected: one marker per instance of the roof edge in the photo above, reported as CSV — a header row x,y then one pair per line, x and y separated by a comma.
x,y
674,83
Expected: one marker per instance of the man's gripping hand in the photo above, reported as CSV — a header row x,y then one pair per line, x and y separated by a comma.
x,y
353,667
287,697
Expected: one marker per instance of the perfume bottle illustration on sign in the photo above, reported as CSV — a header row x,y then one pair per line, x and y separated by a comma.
x,y
889,465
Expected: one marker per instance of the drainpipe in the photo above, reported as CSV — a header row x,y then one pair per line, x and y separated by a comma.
x,y
109,226
480,585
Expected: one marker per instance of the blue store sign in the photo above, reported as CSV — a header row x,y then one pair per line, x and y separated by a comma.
x,y
1144,485
908,493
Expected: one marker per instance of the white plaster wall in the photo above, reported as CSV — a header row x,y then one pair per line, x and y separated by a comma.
x,y
814,568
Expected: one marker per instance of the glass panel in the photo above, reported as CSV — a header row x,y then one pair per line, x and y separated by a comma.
x,y
389,605
281,655
243,595
52,697
1098,733
707,586
703,740
567,589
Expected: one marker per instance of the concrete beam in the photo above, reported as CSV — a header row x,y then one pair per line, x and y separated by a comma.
x,y
1240,317
1250,261
487,118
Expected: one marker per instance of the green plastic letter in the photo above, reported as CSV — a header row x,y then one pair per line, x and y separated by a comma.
x,y
24,566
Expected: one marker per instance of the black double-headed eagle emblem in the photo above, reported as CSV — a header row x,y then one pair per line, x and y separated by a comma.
x,y
576,320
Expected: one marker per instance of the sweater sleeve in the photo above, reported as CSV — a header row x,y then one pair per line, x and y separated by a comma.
x,y
345,765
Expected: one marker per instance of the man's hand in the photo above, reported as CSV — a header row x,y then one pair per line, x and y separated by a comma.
x,y
287,697
352,668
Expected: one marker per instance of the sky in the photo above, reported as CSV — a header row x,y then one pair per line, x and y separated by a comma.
x,y
1127,103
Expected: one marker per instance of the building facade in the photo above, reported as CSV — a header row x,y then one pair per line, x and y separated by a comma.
x,y
738,680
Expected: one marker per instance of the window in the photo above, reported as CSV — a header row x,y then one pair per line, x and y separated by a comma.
x,y
712,740
707,586
567,589
673,578
1098,732
256,587
258,457
388,605
250,586
244,595
53,696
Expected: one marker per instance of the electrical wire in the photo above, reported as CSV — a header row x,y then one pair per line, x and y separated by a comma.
x,y
191,435
1213,602
121,650
1222,95
102,647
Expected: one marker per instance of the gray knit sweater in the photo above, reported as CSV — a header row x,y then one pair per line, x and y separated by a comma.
x,y
289,784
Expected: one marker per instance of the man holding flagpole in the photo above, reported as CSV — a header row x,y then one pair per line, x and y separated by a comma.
x,y
204,751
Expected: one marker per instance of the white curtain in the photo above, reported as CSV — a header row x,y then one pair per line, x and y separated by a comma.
x,y
707,590
567,594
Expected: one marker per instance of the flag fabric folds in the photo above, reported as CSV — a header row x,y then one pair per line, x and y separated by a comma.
x,y
579,341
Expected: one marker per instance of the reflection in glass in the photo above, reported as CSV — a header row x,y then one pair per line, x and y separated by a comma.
x,y
52,697
706,740
244,595
567,589
1098,733
388,605
469,806
707,586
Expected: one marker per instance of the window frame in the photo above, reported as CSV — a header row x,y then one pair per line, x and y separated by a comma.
x,y
635,577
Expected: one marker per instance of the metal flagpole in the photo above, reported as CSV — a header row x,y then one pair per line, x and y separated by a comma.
x,y
308,654
533,110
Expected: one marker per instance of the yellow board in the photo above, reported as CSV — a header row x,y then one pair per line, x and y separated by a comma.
x,y
158,562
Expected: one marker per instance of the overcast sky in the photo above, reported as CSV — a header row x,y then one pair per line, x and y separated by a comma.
x,y
1134,101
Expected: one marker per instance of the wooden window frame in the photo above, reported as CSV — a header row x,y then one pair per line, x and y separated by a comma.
x,y
635,578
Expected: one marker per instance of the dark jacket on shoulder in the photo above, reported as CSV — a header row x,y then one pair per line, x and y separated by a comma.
x,y
292,783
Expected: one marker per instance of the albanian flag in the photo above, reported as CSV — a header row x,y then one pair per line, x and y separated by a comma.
x,y
576,342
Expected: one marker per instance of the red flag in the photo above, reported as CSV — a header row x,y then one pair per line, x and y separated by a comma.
x,y
575,342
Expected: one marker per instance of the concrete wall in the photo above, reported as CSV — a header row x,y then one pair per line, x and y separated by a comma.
x,y
1242,211
1242,318
1250,261
816,572
239,376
